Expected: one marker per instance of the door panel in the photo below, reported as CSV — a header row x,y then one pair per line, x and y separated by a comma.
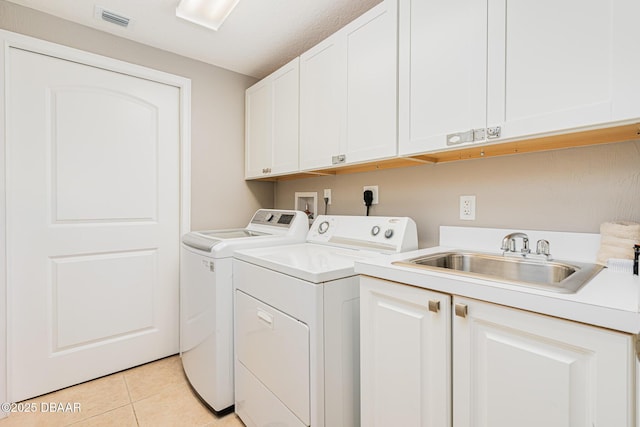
x,y
119,283
85,187
92,222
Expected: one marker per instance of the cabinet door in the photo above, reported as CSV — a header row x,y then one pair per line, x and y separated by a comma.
x,y
405,355
258,129
555,66
272,123
322,103
515,368
371,84
286,89
442,66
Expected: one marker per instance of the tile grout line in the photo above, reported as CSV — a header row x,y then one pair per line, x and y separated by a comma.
x,y
103,413
114,375
133,407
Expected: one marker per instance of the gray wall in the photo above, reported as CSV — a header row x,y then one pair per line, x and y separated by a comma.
x,y
219,195
565,190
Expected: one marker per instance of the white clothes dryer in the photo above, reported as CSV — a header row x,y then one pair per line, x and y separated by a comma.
x,y
206,297
297,322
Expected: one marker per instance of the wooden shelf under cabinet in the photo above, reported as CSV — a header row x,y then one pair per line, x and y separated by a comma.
x,y
584,138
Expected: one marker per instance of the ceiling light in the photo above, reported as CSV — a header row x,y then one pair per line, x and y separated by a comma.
x,y
208,13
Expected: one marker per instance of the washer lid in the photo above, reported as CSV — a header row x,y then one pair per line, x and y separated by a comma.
x,y
231,234
206,240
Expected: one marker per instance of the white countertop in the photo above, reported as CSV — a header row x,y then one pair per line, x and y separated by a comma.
x,y
609,300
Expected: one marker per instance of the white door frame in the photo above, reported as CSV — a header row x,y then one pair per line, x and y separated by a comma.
x,y
10,40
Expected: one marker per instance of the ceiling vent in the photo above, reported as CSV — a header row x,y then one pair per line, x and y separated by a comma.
x,y
112,17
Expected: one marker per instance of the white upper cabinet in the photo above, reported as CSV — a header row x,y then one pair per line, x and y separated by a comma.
x,y
372,46
272,123
442,66
348,93
322,102
555,65
529,68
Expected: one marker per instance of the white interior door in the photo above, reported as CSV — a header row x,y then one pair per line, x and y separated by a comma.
x,y
93,199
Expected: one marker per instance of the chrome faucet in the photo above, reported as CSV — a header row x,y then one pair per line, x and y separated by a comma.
x,y
509,243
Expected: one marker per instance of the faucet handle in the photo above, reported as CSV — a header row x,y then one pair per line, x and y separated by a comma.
x,y
509,243
542,247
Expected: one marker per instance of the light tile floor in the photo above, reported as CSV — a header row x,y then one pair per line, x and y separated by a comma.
x,y
156,394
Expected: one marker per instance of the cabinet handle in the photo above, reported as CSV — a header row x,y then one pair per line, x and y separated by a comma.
x,y
472,135
434,305
460,137
340,158
265,317
461,310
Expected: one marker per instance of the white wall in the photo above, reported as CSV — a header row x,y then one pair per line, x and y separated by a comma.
x,y
565,190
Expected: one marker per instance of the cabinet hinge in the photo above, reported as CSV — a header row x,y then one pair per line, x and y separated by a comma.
x,y
494,132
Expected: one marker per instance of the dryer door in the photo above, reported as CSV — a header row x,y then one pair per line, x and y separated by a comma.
x,y
274,347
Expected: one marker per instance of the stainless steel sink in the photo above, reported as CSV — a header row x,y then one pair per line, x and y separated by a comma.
x,y
557,276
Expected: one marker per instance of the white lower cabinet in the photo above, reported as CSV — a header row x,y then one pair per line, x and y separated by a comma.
x,y
405,355
508,367
512,367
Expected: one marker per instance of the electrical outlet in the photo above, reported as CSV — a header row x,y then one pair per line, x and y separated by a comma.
x,y
327,195
374,190
468,208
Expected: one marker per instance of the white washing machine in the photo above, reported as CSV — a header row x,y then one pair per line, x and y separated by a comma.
x,y
297,322
206,297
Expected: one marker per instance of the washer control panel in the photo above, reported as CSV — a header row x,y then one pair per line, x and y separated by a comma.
x,y
383,234
273,218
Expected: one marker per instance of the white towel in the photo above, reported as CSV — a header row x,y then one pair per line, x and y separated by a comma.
x,y
617,240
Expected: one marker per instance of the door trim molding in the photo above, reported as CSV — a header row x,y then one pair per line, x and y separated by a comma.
x,y
9,40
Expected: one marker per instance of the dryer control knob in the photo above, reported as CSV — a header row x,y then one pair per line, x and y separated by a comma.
x,y
388,233
323,227
269,217
375,230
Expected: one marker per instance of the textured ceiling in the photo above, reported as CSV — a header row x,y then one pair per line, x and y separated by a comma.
x,y
258,37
